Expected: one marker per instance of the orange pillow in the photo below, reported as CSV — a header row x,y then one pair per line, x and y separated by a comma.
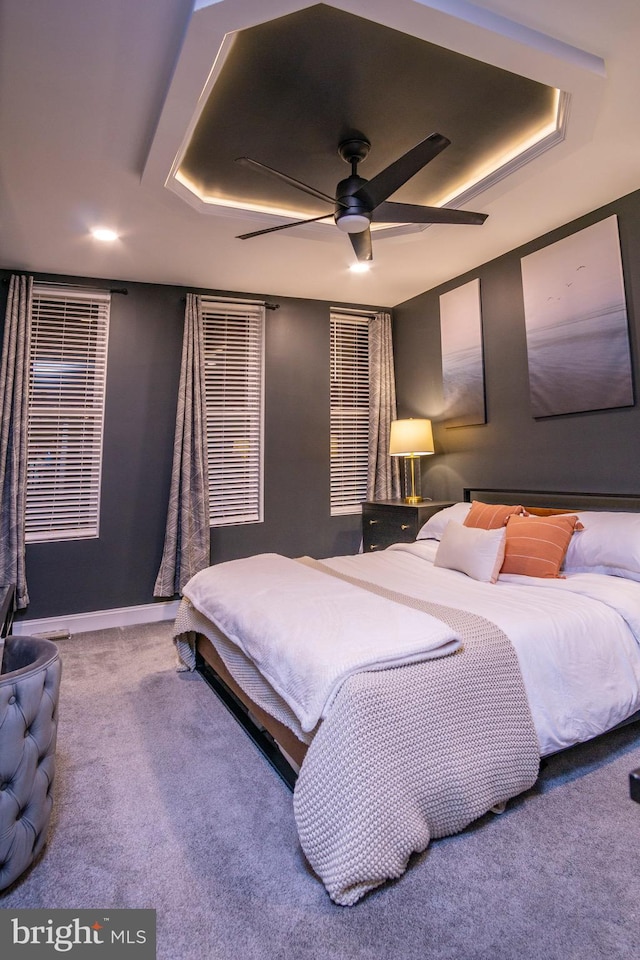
x,y
490,516
535,546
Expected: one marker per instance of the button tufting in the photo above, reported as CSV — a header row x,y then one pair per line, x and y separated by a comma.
x,y
26,797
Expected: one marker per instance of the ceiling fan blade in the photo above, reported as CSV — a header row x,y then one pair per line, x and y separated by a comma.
x,y
263,168
361,243
413,213
283,226
397,173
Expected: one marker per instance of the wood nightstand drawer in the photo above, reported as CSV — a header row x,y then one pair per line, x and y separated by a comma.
x,y
393,521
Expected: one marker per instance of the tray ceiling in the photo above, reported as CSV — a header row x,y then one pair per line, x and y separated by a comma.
x,y
293,88
100,107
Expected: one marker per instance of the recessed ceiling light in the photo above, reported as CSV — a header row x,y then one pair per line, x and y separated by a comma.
x,y
102,233
360,267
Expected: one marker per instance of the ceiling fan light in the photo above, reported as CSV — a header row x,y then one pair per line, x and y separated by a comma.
x,y
353,223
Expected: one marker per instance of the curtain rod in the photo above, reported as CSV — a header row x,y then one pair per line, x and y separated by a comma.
x,y
87,286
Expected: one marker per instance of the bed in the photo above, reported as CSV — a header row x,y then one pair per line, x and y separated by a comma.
x,y
470,674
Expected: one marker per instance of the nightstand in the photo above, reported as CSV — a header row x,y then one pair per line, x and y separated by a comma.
x,y
393,521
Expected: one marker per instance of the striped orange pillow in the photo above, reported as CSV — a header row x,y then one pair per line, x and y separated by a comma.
x,y
490,516
536,546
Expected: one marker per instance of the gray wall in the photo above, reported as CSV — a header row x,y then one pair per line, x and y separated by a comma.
x,y
591,452
119,568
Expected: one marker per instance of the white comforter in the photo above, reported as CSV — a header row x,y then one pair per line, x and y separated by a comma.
x,y
577,639
307,631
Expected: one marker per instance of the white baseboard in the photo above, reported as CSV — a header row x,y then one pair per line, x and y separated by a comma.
x,y
98,620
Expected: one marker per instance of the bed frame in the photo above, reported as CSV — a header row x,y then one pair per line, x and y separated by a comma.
x,y
547,503
280,747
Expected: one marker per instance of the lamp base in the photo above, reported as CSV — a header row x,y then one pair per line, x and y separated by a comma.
x,y
413,499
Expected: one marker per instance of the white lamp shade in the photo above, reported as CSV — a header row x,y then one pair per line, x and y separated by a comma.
x,y
411,438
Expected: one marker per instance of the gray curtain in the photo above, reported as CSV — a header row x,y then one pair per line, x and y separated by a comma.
x,y
383,481
186,544
14,395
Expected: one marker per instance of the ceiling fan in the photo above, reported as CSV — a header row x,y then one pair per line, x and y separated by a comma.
x,y
359,202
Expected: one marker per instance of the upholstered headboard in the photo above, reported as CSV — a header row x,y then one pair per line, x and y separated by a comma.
x,y
556,501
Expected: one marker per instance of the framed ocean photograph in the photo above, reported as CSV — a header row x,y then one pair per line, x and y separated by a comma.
x,y
462,356
576,324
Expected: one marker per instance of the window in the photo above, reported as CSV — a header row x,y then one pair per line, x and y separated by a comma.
x,y
349,412
233,334
67,376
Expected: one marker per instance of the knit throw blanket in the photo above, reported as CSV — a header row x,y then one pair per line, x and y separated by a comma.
x,y
411,753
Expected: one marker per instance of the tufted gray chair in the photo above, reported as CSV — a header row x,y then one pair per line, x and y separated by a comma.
x,y
29,687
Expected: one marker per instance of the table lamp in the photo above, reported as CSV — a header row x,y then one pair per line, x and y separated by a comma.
x,y
411,439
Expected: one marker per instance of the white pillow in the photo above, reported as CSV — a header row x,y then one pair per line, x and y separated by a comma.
x,y
478,553
609,543
435,525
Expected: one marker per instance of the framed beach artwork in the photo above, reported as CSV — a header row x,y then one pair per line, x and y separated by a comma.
x,y
576,324
462,357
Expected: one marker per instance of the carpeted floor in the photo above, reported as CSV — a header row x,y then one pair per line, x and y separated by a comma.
x,y
163,802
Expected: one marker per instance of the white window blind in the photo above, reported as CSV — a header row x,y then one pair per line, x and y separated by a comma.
x,y
67,377
234,395
349,412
